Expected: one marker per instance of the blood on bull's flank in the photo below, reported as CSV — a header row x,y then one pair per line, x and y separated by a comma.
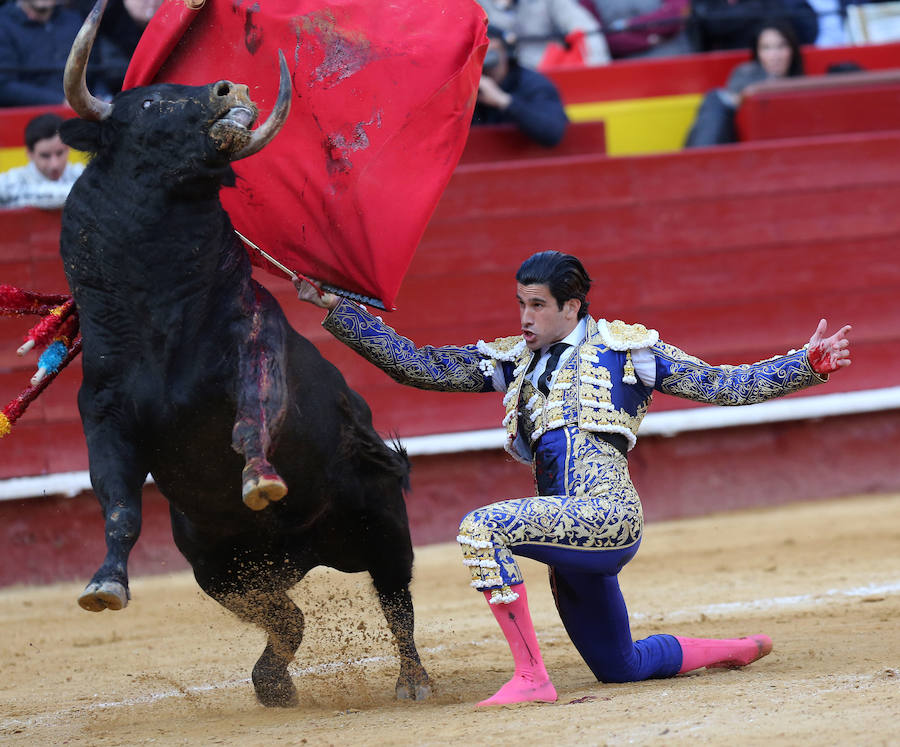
x,y
192,374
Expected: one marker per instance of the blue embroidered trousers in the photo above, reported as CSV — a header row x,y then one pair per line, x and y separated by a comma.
x,y
585,525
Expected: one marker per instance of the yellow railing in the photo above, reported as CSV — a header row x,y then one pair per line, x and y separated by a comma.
x,y
10,158
649,125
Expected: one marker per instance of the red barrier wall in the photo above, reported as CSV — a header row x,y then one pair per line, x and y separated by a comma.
x,y
732,253
491,143
13,120
50,539
696,73
824,105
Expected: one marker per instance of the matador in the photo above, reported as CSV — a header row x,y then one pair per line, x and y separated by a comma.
x,y
576,390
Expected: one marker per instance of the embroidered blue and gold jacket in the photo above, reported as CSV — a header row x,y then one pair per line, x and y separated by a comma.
x,y
596,389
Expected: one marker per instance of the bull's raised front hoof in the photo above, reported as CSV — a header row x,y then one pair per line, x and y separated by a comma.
x,y
274,690
261,487
97,597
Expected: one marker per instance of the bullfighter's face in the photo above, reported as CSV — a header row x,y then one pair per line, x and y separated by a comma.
x,y
543,321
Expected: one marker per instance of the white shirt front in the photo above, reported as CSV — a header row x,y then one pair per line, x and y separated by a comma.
x,y
574,338
643,359
25,186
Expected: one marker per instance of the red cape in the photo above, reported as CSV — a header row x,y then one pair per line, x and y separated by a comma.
x,y
383,98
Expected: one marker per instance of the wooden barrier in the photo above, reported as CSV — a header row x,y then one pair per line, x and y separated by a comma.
x,y
822,105
53,538
733,254
648,105
490,143
697,73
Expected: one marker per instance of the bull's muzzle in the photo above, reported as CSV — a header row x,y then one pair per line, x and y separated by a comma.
x,y
264,134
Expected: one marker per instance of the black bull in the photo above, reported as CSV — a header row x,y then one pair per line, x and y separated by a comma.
x,y
193,375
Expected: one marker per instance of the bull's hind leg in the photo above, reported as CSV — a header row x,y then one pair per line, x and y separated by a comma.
x,y
391,577
274,612
261,398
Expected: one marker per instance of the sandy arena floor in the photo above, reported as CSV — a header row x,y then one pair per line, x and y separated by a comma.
x,y
822,579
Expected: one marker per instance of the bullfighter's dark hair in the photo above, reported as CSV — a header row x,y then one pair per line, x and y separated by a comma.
x,y
42,127
563,274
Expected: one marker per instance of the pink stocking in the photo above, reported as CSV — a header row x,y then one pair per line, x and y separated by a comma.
x,y
713,652
530,682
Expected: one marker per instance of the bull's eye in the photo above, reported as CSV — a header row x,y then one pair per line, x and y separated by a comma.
x,y
147,103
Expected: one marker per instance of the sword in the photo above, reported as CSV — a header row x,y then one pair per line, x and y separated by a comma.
x,y
293,275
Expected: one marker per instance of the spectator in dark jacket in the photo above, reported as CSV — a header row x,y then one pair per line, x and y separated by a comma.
x,y
35,38
509,92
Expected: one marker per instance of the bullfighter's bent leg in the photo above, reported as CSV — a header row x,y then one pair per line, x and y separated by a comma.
x,y
261,398
544,528
593,612
594,615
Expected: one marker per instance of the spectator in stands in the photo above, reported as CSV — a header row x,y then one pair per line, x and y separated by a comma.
x,y
729,24
123,21
46,180
536,24
775,54
643,28
509,92
35,38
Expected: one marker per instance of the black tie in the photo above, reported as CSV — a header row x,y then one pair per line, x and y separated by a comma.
x,y
556,350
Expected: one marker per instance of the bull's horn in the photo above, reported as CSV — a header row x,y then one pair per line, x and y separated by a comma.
x,y
74,84
263,134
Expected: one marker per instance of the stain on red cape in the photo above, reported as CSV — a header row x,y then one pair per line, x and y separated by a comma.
x,y
382,100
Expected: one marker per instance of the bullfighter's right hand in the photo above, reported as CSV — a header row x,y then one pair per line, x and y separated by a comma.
x,y
308,292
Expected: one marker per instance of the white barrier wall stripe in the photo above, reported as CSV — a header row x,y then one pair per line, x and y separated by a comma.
x,y
668,423
673,422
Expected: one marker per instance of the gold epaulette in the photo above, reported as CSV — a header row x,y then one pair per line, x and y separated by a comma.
x,y
503,348
617,335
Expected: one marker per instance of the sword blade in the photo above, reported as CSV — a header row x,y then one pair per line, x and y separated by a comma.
x,y
290,273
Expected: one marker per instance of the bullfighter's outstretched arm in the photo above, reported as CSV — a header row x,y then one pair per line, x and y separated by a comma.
x,y
447,368
682,375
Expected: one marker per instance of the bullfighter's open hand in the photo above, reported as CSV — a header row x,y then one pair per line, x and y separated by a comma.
x,y
828,354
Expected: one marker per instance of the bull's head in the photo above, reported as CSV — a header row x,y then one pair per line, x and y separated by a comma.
x,y
165,115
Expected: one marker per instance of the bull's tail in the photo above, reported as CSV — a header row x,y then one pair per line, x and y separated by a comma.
x,y
397,447
360,443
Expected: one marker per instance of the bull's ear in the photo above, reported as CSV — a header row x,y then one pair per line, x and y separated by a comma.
x,y
81,134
